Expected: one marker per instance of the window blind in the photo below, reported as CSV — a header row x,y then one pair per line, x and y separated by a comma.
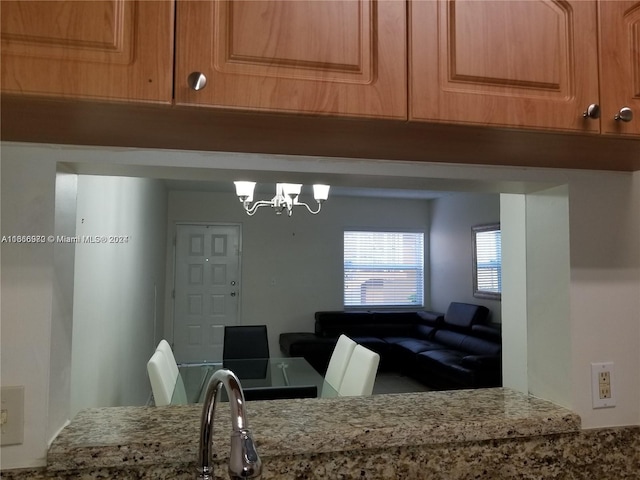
x,y
489,261
383,269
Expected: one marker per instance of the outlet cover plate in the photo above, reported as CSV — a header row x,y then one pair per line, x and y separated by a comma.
x,y
12,415
602,393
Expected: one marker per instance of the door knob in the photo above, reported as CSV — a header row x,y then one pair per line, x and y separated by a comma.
x,y
233,282
625,115
197,81
592,111
233,294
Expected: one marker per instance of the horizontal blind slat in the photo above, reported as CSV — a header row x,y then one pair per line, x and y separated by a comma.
x,y
383,268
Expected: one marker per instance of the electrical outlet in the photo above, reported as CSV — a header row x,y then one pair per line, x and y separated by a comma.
x,y
604,377
602,392
11,415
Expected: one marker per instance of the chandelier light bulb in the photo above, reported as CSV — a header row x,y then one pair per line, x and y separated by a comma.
x,y
244,190
320,192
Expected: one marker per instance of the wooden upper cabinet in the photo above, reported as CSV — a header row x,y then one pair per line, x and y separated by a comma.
x,y
530,63
322,57
619,65
112,49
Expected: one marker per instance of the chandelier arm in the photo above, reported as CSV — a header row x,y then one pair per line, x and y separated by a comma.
x,y
251,210
309,208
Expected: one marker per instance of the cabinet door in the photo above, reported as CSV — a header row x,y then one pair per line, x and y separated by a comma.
x,y
111,49
323,57
620,64
530,63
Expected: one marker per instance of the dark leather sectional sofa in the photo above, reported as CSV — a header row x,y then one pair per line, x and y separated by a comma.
x,y
458,349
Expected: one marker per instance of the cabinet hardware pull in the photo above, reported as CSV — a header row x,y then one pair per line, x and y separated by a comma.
x,y
592,111
197,81
625,114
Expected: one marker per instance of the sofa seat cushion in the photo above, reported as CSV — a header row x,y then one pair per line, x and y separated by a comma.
x,y
448,364
469,371
413,345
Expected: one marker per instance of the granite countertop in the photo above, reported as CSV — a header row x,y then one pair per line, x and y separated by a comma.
x,y
138,436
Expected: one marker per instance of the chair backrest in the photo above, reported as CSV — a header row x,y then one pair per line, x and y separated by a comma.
x,y
162,380
360,374
245,341
165,348
339,361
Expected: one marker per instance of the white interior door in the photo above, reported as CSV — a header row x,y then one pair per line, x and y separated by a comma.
x,y
207,289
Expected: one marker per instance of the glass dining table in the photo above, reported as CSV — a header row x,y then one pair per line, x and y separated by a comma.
x,y
261,379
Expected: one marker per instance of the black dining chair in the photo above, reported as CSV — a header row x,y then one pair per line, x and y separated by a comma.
x,y
245,341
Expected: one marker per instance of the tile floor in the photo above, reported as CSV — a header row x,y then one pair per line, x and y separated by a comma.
x,y
390,382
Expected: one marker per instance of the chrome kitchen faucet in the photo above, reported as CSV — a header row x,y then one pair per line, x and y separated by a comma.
x,y
244,461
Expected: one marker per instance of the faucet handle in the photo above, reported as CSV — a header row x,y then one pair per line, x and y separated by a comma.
x,y
244,461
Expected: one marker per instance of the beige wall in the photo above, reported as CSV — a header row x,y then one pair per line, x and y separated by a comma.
x,y
548,298
291,266
451,252
62,302
513,216
28,195
118,290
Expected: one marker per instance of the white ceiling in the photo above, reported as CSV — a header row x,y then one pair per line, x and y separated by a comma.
x,y
216,172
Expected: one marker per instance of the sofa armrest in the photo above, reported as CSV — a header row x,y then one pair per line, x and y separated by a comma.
x,y
482,362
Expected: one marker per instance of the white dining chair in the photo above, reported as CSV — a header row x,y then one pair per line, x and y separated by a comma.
x,y
165,348
360,374
162,380
339,361
180,393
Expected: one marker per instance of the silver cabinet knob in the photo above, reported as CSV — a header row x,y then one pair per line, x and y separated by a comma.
x,y
624,115
592,111
197,81
233,294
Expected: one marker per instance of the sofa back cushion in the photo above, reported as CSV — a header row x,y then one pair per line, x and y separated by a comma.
x,y
491,332
371,324
480,346
467,343
424,332
464,315
449,338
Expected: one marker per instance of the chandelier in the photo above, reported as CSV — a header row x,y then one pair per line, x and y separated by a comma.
x,y
285,199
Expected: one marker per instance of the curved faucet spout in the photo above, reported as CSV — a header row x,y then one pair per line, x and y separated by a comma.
x,y
244,461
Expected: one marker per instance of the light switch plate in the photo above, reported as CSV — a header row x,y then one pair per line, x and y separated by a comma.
x,y
11,415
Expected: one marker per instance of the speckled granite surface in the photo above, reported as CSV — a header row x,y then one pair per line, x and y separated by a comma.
x,y
150,436
461,435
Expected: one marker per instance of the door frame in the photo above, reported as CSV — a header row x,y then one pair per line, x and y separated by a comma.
x,y
170,324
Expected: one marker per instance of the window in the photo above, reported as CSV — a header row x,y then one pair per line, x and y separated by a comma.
x,y
383,269
487,261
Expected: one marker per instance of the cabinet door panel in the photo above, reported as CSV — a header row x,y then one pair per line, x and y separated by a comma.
x,y
517,63
620,64
326,57
114,49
